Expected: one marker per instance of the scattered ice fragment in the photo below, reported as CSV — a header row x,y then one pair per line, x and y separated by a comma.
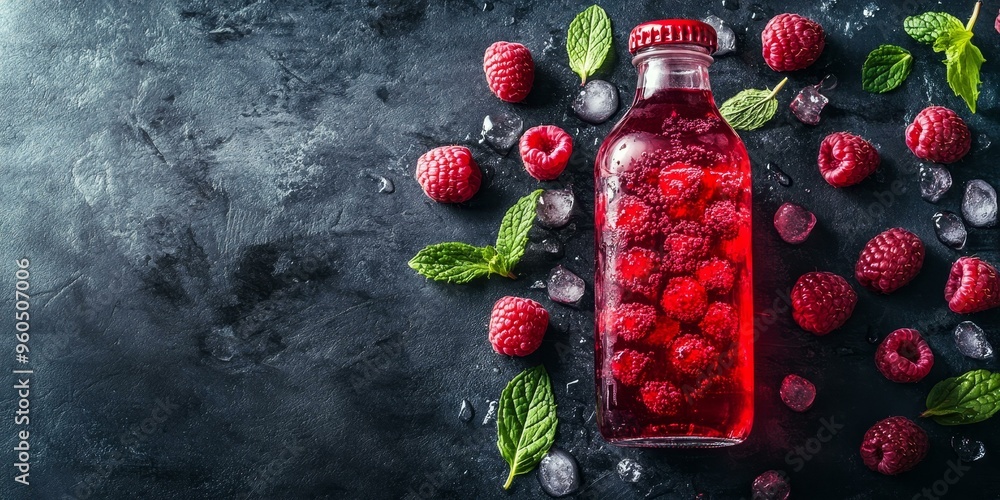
x,y
797,392
502,131
596,102
487,6
808,104
968,450
491,412
979,205
779,175
950,229
221,343
972,341
466,412
558,473
870,10
565,287
935,181
757,12
537,285
771,485
794,223
385,185
629,470
731,4
555,207
872,336
548,248
724,34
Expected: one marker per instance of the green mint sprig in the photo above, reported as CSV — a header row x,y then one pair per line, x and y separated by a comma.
x,y
588,41
526,421
963,60
971,397
750,109
456,262
886,68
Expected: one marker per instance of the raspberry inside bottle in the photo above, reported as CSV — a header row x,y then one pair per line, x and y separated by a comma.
x,y
674,305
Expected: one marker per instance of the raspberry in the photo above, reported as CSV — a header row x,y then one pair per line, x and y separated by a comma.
x,y
641,178
722,219
510,70
517,326
633,221
685,246
822,302
679,182
693,357
665,331
904,356
845,159
545,151
723,185
662,398
890,260
716,275
894,445
628,366
634,321
685,300
792,42
448,174
972,286
937,134
638,272
719,323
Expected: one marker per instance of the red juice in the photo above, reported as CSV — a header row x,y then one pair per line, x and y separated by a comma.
x,y
673,287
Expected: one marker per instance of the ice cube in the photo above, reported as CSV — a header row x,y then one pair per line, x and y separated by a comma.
x,y
771,485
950,229
629,470
797,393
466,412
935,181
564,286
808,104
385,185
501,131
870,10
555,207
968,450
596,102
221,343
979,205
972,341
491,413
558,473
724,35
779,175
794,223
828,83
537,285
549,248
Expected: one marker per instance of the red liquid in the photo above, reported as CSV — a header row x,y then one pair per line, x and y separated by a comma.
x,y
672,217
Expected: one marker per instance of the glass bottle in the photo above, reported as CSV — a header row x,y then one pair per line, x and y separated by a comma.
x,y
674,305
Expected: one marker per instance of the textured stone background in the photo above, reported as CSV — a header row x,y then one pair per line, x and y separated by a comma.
x,y
196,184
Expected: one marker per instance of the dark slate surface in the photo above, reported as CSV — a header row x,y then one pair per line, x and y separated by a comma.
x,y
196,185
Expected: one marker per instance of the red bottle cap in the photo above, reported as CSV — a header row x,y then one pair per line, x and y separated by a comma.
x,y
672,31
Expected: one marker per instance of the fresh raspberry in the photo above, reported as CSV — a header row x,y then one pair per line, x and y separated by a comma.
x,y
685,246
633,221
904,356
846,159
510,70
662,398
719,323
716,275
517,326
448,174
972,286
545,151
722,219
693,357
679,182
638,272
634,321
822,302
629,366
939,135
792,42
894,445
685,300
665,331
890,260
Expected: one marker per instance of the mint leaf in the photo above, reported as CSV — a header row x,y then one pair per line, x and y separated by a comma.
x,y
526,421
963,61
968,398
751,109
513,234
451,262
885,69
929,26
588,41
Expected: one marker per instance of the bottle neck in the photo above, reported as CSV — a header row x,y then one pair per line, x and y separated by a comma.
x,y
671,67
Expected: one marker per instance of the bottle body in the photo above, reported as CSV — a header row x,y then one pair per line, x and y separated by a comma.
x,y
673,282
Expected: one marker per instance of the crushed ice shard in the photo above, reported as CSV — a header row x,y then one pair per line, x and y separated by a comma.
x,y
979,204
972,342
501,131
564,286
596,102
950,229
808,104
935,181
555,207
724,35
